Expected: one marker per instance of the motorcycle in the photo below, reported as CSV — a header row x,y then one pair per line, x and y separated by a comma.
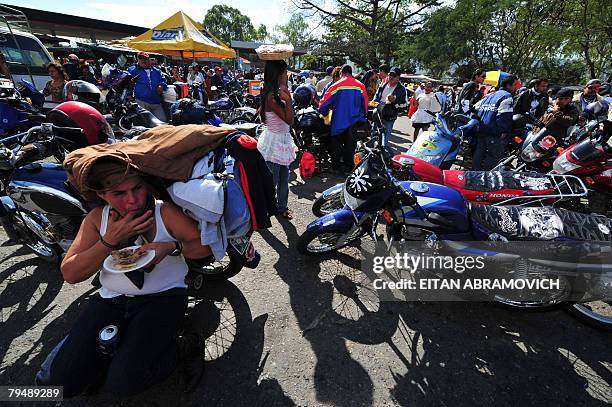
x,y
126,114
484,187
40,210
436,214
19,112
232,109
591,160
311,134
441,146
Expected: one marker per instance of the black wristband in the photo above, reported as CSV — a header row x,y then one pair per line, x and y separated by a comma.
x,y
110,246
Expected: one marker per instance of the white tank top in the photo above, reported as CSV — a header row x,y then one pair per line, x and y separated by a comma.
x,y
275,124
169,273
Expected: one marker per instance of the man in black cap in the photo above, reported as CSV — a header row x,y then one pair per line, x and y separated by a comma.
x,y
325,81
562,115
393,94
588,95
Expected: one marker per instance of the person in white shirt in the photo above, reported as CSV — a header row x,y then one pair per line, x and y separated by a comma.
x,y
146,306
426,102
325,81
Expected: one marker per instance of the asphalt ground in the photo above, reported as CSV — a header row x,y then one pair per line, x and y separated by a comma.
x,y
307,331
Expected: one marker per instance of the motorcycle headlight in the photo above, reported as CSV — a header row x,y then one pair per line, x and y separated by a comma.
x,y
562,165
529,154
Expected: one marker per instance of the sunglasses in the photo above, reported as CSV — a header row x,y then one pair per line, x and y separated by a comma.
x,y
392,75
596,87
143,58
563,97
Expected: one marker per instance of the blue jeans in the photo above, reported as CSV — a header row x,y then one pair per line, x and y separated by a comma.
x,y
280,174
490,149
388,124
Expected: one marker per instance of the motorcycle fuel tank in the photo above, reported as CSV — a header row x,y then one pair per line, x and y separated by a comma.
x,y
40,188
440,199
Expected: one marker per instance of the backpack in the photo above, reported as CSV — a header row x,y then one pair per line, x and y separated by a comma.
x,y
308,165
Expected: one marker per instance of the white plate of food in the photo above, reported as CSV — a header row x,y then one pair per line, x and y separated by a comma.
x,y
126,260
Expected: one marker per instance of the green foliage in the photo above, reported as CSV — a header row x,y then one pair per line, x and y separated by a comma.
x,y
368,32
549,38
228,23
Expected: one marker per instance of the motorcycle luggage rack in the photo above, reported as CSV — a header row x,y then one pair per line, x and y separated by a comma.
x,y
566,187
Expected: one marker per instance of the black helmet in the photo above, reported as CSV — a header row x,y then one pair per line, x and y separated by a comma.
x,y
303,96
367,179
518,123
311,122
81,91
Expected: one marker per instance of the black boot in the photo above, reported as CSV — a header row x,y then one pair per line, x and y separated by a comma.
x,y
191,351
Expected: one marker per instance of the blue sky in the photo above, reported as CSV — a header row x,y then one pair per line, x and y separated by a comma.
x,y
148,13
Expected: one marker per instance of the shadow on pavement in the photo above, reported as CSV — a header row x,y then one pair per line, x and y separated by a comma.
x,y
459,354
28,291
339,379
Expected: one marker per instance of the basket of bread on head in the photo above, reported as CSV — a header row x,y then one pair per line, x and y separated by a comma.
x,y
274,52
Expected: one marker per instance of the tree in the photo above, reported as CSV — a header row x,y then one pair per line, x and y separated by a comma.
x,y
228,23
547,38
296,32
366,31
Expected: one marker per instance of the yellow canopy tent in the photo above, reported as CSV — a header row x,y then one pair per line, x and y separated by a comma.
x,y
181,36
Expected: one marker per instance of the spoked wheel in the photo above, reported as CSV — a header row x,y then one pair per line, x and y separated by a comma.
x,y
322,206
598,314
312,243
242,119
221,316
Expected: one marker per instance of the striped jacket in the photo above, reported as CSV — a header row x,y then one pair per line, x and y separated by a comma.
x,y
348,99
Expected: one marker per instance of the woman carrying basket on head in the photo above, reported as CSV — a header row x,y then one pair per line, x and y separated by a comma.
x,y
275,143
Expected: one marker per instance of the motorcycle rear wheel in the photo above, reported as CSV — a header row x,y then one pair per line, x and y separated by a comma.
x,y
213,270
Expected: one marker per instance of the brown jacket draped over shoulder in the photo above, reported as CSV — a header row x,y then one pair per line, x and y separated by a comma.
x,y
167,151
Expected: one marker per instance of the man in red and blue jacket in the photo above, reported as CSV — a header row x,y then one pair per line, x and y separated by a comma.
x,y
348,99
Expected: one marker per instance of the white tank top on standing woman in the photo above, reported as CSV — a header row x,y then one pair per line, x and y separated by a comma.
x,y
169,273
275,143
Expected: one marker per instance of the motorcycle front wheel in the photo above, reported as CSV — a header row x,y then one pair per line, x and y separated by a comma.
x,y
317,242
322,206
596,314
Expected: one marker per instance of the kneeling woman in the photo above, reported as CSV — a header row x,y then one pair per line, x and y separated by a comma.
x,y
147,307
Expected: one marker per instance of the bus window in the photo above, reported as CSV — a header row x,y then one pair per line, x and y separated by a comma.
x,y
32,54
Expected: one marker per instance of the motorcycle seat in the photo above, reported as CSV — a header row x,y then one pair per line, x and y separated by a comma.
x,y
541,223
248,128
488,181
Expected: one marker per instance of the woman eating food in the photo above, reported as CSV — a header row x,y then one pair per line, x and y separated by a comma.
x,y
145,306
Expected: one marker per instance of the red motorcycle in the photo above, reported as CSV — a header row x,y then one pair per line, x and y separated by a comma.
x,y
591,160
483,187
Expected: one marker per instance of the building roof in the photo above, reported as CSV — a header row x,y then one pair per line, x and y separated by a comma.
x,y
49,22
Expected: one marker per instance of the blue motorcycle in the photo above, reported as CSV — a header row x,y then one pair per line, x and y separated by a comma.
x,y
442,145
16,113
417,211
